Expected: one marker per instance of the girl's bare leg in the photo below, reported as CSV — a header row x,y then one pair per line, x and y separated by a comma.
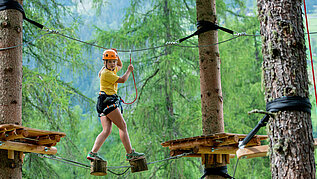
x,y
116,117
107,127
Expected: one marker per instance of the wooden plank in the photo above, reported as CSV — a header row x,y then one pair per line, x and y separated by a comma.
x,y
214,138
219,158
32,132
227,158
251,152
24,147
257,151
11,154
2,135
16,134
230,140
197,138
21,155
254,141
217,150
45,140
190,144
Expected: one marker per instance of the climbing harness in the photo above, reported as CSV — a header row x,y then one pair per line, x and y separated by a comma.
x,y
113,101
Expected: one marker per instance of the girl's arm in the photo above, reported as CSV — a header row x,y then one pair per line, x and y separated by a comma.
x,y
126,75
119,63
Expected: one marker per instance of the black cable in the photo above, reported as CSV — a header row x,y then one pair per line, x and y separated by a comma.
x,y
235,168
118,173
78,164
25,44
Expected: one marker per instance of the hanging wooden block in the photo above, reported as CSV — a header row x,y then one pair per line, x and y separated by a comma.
x,y
138,165
98,167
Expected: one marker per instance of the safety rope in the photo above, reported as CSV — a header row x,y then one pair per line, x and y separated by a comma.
x,y
310,52
136,90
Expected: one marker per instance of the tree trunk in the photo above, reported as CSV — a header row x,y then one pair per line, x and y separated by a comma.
x,y
285,74
210,81
168,84
10,84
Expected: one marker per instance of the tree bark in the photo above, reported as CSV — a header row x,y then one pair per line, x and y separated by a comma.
x,y
285,74
10,84
210,81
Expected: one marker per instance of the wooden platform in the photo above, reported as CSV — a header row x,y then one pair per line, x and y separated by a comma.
x,y
219,146
220,143
19,138
214,150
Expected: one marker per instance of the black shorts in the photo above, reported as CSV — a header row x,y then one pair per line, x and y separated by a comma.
x,y
106,103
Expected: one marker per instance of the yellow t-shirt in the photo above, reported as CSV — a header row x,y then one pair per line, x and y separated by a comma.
x,y
108,80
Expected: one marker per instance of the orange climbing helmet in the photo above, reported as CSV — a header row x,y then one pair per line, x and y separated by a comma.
x,y
110,55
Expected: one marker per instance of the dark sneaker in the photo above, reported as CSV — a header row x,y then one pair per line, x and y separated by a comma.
x,y
134,155
93,156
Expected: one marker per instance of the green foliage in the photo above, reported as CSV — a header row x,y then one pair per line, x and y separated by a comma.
x,y
50,102
168,79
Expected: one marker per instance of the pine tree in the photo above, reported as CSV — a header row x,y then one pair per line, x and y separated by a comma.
x,y
10,84
285,74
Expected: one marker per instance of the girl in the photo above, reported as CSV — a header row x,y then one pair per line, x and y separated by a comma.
x,y
107,105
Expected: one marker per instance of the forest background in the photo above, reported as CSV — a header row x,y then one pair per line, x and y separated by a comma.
x,y
60,82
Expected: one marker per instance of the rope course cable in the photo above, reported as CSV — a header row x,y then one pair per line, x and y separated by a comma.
x,y
82,165
149,48
25,44
235,168
175,43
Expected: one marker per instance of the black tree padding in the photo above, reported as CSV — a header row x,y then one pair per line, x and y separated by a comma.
x,y
10,4
220,171
295,103
205,26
